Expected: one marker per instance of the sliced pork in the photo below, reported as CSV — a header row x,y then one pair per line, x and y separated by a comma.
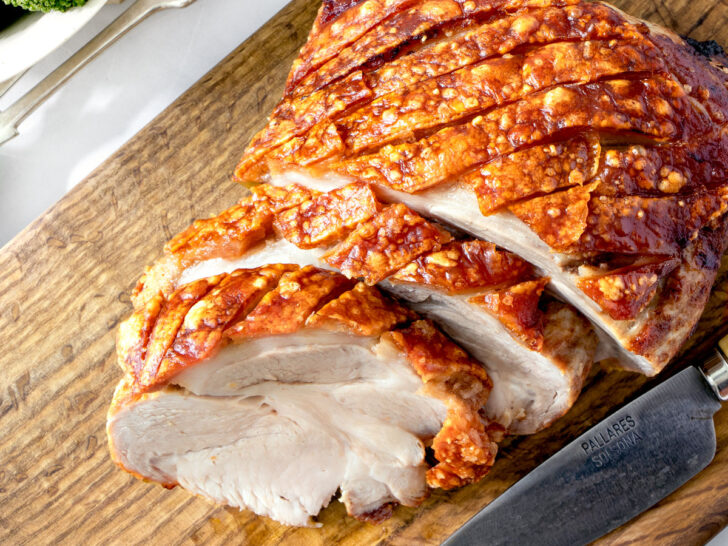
x,y
537,351
502,169
272,388
490,301
589,143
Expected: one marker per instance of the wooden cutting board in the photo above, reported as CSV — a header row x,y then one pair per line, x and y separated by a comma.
x,y
64,289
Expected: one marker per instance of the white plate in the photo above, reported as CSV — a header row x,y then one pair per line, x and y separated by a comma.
x,y
33,36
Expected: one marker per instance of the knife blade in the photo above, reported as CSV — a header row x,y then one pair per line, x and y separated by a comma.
x,y
614,471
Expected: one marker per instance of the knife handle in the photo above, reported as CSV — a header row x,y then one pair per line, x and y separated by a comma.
x,y
715,370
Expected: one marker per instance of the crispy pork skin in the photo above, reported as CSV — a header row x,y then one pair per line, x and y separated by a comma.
x,y
590,143
532,387
486,301
272,388
490,301
531,177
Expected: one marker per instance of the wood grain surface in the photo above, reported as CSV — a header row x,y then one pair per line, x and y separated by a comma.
x,y
64,289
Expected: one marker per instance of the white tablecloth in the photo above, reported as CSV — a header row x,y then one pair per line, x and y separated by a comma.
x,y
113,97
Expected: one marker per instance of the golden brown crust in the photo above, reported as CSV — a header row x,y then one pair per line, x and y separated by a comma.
x,y
393,32
158,279
305,217
649,225
392,239
517,309
133,335
284,309
395,240
327,40
390,34
559,219
463,449
362,311
654,106
384,241
171,333
579,43
435,115
228,234
654,171
458,109
493,82
432,103
328,217
540,169
276,199
320,143
626,291
165,335
383,245
167,325
463,266
294,117
537,22
201,333
361,25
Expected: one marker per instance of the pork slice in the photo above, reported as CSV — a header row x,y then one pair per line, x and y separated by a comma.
x,y
594,142
537,351
457,205
427,58
469,267
304,414
340,389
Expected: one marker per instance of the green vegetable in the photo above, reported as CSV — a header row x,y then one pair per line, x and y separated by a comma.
x,y
45,5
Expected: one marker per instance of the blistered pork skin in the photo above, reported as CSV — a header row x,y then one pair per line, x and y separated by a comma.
x,y
590,143
271,388
487,299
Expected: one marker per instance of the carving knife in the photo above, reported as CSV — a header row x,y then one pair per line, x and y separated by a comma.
x,y
614,471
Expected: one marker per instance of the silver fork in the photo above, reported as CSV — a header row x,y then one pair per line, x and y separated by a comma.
x,y
11,117
7,84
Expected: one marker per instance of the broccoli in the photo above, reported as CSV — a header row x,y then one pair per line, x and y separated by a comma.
x,y
45,5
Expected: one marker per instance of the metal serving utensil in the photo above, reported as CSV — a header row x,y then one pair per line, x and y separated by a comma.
x,y
7,84
11,117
